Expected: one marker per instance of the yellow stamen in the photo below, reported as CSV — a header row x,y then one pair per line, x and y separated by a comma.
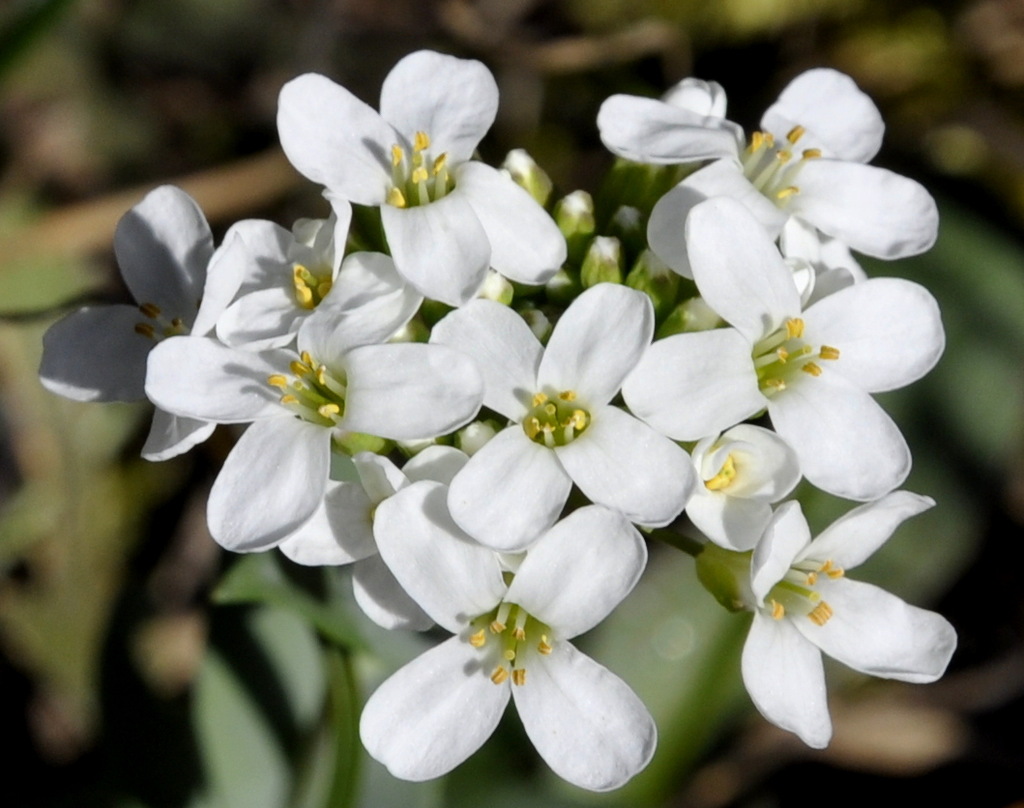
x,y
756,141
539,399
277,380
288,398
579,419
299,368
420,175
497,627
784,156
328,410
787,192
811,368
783,355
532,427
478,639
812,578
567,395
145,330
795,134
440,162
151,310
724,477
303,296
519,633
831,571
544,646
421,141
321,374
828,352
177,322
396,198
519,676
778,610
397,155
794,327
811,154
305,357
778,384
820,614
499,675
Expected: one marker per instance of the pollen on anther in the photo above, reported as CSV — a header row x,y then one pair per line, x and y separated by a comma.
x,y
145,330
778,610
519,676
784,156
812,578
567,395
787,192
783,355
151,310
478,639
810,367
288,398
328,410
500,675
519,633
820,614
539,398
439,162
756,141
277,380
795,134
828,352
421,141
420,175
397,155
544,646
794,327
396,198
497,627
811,154
299,368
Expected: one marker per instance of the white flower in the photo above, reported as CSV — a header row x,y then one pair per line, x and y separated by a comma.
x,y
743,471
808,162
98,353
510,640
340,383
804,605
813,370
446,217
564,429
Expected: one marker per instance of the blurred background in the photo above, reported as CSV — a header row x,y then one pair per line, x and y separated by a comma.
x,y
140,667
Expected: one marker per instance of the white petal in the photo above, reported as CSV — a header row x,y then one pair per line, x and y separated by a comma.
x,y
846,443
726,179
738,270
876,633
382,598
706,98
170,436
163,246
689,386
510,491
839,118
454,101
871,209
784,676
504,349
408,391
339,532
888,332
665,229
786,535
526,244
586,723
267,318
198,377
766,467
378,476
437,463
449,575
580,570
229,269
647,130
854,537
730,522
336,140
270,485
597,342
434,713
94,354
621,462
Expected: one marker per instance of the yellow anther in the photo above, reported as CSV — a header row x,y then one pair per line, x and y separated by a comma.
x,y
397,155
539,398
306,358
519,633
812,578
828,352
321,374
531,427
820,614
497,627
787,192
439,163
396,198
303,296
420,175
778,610
328,410
519,676
794,327
579,419
778,384
811,154
177,322
145,330
509,654
421,141
724,477
277,380
299,368
550,409
831,570
477,640
544,646
288,398
783,355
795,134
784,156
567,395
769,139
756,141
810,367
324,287
151,310
499,675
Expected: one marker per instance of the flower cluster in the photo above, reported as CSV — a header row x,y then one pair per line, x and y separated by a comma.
x,y
481,414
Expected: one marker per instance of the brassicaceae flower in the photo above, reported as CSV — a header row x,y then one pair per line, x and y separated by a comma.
x,y
447,218
511,641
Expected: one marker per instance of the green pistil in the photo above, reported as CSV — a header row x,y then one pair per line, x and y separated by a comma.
x,y
555,421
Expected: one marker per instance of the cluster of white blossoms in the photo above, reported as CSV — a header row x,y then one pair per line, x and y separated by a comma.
x,y
489,417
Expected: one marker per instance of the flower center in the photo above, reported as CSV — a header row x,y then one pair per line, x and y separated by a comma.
x,y
772,170
418,178
157,325
725,476
555,420
311,391
310,287
516,634
796,592
779,356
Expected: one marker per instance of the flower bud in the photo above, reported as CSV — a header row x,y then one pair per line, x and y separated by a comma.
x,y
527,174
690,315
603,262
574,215
653,277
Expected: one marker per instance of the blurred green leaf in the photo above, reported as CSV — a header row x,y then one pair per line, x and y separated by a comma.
x,y
23,23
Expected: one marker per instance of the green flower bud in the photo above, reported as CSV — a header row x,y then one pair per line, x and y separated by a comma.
x,y
574,215
726,575
528,175
603,262
653,277
690,315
